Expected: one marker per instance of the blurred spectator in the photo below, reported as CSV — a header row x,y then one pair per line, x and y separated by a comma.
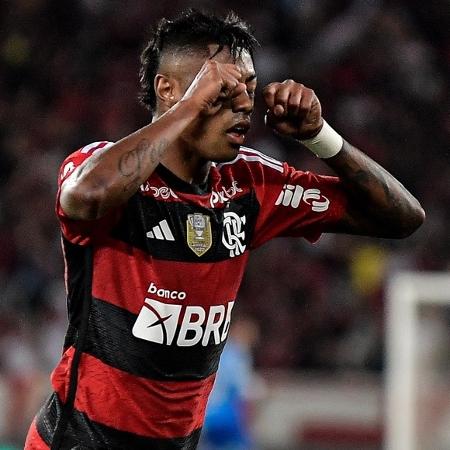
x,y
227,423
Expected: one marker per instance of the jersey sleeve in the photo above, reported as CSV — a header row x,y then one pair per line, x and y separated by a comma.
x,y
82,232
297,203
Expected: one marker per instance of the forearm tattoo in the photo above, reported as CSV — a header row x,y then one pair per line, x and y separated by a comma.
x,y
375,182
377,194
132,164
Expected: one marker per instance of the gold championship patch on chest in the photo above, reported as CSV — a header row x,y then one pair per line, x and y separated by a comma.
x,y
199,235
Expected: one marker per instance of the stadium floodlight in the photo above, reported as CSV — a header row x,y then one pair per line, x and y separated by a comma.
x,y
408,293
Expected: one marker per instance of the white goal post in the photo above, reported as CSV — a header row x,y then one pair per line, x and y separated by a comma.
x,y
407,292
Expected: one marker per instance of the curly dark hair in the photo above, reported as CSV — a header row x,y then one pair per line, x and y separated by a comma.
x,y
192,29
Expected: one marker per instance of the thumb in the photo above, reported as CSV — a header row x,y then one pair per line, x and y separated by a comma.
x,y
270,119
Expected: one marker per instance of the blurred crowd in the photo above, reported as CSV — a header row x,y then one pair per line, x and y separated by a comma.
x,y
68,77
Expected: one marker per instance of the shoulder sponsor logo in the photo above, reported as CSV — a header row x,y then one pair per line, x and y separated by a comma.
x,y
161,232
198,233
224,195
163,192
293,195
233,237
167,324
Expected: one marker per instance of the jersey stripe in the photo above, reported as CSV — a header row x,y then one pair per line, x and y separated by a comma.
x,y
85,433
261,155
144,212
95,146
34,440
255,158
116,261
110,331
183,402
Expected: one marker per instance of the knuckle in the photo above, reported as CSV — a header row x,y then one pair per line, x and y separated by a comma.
x,y
270,87
282,94
213,66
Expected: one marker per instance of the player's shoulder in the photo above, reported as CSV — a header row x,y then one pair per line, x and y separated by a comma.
x,y
254,161
75,158
90,149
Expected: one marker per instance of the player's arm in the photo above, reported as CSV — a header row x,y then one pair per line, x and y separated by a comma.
x,y
111,176
379,205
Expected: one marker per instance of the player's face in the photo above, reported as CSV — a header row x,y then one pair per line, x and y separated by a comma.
x,y
218,137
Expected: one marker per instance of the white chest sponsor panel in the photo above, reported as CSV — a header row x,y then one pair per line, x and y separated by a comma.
x,y
158,322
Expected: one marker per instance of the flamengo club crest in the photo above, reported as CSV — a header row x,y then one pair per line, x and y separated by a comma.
x,y
199,235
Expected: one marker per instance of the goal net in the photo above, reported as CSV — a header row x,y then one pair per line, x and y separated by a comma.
x,y
418,362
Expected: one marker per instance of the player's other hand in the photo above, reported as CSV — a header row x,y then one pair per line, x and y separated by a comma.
x,y
214,84
293,109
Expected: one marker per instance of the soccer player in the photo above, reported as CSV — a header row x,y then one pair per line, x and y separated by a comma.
x,y
157,229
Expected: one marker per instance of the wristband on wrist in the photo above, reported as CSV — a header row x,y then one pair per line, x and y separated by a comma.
x,y
326,143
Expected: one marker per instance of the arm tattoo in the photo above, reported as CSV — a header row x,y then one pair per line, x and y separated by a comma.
x,y
132,163
372,179
377,195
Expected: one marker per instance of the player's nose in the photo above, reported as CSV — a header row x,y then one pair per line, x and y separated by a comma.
x,y
243,103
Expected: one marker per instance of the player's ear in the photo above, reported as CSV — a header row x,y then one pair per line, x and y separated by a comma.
x,y
167,90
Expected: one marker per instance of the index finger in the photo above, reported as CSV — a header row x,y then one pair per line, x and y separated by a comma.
x,y
269,94
231,69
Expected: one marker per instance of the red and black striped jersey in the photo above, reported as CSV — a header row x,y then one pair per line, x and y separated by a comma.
x,y
151,288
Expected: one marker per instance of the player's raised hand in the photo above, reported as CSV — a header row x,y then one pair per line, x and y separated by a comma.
x,y
214,83
293,109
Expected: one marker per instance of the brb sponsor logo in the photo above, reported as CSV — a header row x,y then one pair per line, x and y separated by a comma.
x,y
292,195
187,326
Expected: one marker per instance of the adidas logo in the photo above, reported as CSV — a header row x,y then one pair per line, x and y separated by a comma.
x,y
161,232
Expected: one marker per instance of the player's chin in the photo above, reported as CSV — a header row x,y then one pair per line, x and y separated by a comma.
x,y
227,153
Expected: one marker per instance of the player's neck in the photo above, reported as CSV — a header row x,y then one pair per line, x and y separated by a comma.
x,y
186,165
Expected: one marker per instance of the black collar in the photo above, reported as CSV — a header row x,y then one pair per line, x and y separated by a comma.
x,y
180,185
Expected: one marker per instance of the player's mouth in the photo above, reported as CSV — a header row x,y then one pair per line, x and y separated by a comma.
x,y
236,133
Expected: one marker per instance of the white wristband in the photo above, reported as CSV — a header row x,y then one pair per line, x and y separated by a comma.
x,y
326,144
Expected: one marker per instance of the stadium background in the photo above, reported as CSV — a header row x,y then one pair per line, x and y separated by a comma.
x,y
68,76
